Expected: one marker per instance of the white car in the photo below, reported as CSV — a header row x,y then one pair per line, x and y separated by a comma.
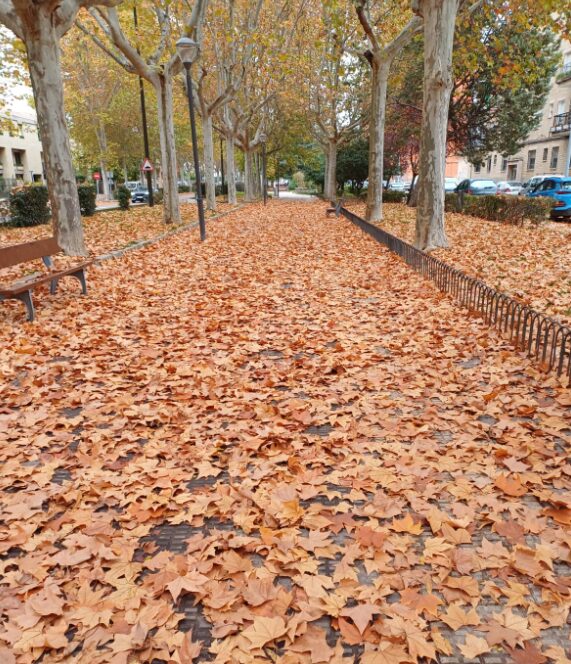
x,y
509,188
450,185
531,184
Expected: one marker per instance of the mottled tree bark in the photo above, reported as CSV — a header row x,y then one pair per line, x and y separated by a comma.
x,y
377,140
439,22
209,177
42,45
171,209
331,172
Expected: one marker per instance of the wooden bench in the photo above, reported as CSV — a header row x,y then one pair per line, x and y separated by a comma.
x,y
29,251
334,210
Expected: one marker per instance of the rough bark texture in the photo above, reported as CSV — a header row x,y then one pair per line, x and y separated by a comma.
x,y
171,210
439,22
252,187
42,44
331,173
377,140
208,141
102,142
231,172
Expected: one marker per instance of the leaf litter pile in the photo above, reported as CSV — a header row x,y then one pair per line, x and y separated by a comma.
x,y
278,446
532,264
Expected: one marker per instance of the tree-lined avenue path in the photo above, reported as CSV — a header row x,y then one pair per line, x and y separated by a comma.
x,y
279,445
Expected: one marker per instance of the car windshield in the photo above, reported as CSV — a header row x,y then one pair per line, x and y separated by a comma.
x,y
515,184
482,184
565,185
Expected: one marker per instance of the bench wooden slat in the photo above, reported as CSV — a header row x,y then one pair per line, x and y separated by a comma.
x,y
29,251
38,278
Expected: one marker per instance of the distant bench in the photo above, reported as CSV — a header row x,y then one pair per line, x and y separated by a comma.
x,y
29,251
335,210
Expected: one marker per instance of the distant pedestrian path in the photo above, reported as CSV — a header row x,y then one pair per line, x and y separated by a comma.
x,y
279,445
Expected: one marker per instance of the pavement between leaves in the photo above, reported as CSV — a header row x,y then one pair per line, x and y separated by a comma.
x,y
281,445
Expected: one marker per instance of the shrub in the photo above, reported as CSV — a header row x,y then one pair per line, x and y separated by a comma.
x,y
240,187
183,188
124,197
87,196
513,210
392,196
451,203
158,196
29,206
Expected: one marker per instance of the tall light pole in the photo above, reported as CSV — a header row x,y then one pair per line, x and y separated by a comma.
x,y
263,139
187,50
144,121
222,163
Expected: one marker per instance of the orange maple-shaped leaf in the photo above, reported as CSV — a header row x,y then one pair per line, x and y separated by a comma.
x,y
386,653
361,615
265,630
474,646
512,486
406,525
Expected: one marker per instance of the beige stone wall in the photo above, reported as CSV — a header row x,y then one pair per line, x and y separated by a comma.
x,y
544,141
21,151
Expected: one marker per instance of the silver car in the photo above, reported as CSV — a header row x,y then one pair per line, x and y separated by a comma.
x,y
509,187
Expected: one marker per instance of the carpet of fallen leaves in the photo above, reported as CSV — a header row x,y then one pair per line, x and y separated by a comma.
x,y
281,445
112,229
531,264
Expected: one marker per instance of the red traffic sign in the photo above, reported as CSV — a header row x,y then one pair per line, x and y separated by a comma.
x,y
147,166
97,176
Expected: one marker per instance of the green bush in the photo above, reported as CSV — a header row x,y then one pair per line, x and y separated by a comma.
x,y
29,206
87,196
158,196
124,197
451,203
392,196
183,188
513,210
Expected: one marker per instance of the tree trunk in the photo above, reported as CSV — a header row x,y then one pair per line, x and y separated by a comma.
x,y
231,172
163,87
412,198
249,177
102,142
42,46
377,140
439,23
326,173
208,141
331,182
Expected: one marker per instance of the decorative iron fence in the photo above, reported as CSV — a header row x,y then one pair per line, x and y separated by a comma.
x,y
542,337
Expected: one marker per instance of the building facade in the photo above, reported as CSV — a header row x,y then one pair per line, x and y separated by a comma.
x,y
21,158
547,149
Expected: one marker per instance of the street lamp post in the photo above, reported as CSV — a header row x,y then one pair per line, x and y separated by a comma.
x,y
188,50
148,174
222,163
263,139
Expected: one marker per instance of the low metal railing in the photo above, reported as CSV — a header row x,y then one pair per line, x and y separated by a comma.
x,y
542,337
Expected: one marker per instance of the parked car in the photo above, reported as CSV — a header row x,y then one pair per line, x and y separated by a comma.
x,y
509,188
450,185
531,184
133,185
140,195
559,189
477,187
396,185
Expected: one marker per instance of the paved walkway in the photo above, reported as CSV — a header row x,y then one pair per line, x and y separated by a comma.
x,y
278,446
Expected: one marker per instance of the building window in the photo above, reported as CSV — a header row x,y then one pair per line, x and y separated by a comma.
x,y
545,153
550,111
561,107
531,160
495,160
504,164
477,168
554,157
21,130
489,166
17,158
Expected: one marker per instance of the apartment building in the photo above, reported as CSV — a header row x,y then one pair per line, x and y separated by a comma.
x,y
20,152
546,150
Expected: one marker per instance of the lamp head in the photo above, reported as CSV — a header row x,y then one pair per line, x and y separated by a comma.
x,y
187,50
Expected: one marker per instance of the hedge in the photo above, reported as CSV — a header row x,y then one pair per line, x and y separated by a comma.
x,y
29,206
513,210
393,196
124,197
87,197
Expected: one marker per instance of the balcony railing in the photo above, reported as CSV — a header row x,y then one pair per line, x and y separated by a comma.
x,y
561,122
564,74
